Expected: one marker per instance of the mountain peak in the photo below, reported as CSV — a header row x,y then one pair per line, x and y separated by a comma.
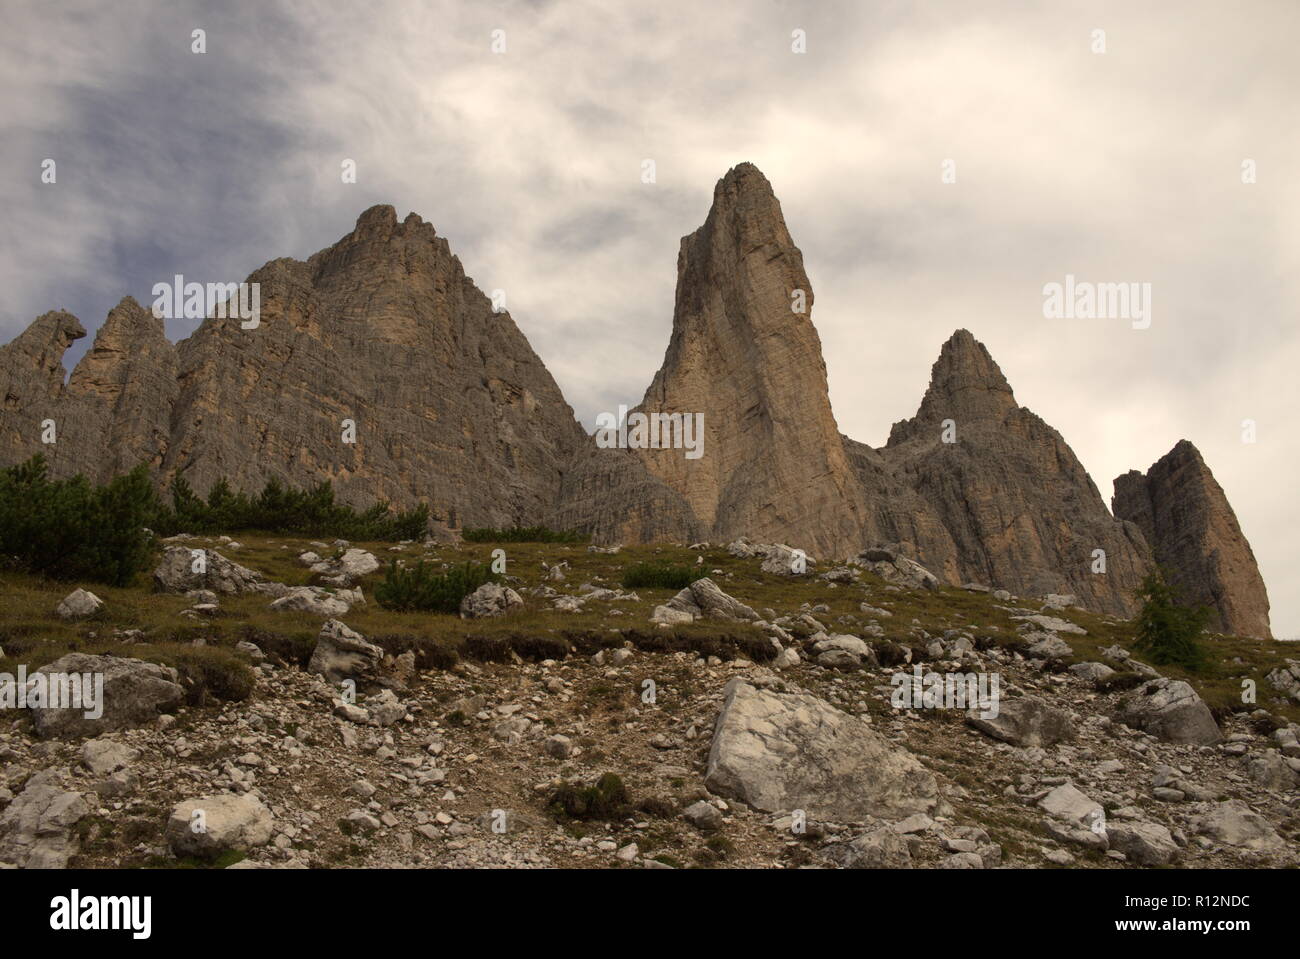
x,y
745,355
1185,516
44,342
381,216
966,385
965,364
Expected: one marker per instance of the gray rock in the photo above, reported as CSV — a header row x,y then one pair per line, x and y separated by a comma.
x,y
785,752
1092,672
703,816
781,559
177,574
1026,721
1170,710
134,692
704,599
310,599
559,747
36,829
1053,624
1074,817
490,599
1144,843
79,604
1050,647
351,566
104,756
1235,824
342,653
1271,771
880,848
208,826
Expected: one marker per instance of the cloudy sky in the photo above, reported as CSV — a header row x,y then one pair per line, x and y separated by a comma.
x,y
1122,166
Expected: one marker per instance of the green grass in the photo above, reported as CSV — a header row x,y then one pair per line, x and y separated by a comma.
x,y
522,534
32,635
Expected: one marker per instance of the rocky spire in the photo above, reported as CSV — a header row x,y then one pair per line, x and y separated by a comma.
x,y
1020,508
129,376
32,393
744,353
33,361
1185,515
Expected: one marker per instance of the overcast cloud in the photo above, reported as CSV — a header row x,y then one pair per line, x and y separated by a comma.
x,y
1122,166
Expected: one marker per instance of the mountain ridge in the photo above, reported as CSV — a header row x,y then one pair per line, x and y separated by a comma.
x,y
451,406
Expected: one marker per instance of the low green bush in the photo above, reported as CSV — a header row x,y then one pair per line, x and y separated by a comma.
x,y
426,588
658,576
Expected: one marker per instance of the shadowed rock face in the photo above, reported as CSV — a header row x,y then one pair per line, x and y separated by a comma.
x,y
1184,514
451,404
452,407
129,380
1016,504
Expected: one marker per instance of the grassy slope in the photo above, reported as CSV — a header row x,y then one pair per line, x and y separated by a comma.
x,y
32,635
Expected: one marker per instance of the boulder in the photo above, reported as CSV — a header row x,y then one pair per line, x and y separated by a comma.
x,y
1025,721
133,693
1048,646
783,561
182,570
704,599
703,816
1235,824
347,568
1270,770
37,828
880,848
104,756
1052,624
490,599
1074,817
211,825
896,569
79,604
668,616
1144,843
779,753
310,599
1170,710
1092,672
341,654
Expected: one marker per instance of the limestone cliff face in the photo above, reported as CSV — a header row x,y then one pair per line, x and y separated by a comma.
x,y
451,405
1184,514
126,385
1020,509
773,466
33,393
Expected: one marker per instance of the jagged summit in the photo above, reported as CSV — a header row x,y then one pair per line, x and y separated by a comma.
x,y
966,385
744,353
450,405
1193,531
